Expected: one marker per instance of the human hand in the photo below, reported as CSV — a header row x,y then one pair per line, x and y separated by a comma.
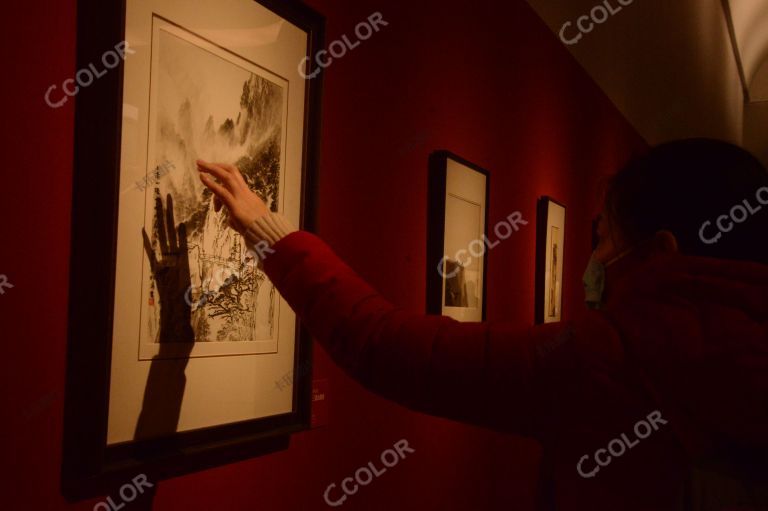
x,y
166,381
231,190
171,272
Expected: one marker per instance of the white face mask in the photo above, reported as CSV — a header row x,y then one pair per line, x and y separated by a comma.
x,y
594,283
594,280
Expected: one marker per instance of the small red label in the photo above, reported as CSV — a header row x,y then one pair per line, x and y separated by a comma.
x,y
319,403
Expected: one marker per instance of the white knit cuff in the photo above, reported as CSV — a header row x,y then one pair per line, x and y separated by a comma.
x,y
270,228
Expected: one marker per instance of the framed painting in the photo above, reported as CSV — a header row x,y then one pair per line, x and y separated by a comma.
x,y
550,258
457,234
176,336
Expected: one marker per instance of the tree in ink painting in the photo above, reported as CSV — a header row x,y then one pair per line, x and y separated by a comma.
x,y
213,108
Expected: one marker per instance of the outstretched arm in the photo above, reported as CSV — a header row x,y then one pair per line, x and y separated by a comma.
x,y
480,373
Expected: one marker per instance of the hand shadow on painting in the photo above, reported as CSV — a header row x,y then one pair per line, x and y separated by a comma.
x,y
167,380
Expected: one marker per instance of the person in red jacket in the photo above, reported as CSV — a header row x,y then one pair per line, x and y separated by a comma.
x,y
656,399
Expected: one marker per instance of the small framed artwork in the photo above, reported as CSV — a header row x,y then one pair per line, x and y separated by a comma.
x,y
177,339
457,234
550,251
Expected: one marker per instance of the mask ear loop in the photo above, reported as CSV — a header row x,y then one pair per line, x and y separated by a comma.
x,y
626,253
619,257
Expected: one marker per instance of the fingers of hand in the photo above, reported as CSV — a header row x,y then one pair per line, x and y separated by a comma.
x,y
149,250
160,226
236,177
223,194
231,190
170,224
235,172
183,238
226,177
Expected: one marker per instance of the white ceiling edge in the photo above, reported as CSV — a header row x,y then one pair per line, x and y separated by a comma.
x,y
669,67
749,19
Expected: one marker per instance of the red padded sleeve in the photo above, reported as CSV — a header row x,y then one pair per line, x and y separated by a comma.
x,y
479,373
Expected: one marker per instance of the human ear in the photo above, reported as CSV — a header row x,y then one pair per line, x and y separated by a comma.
x,y
665,242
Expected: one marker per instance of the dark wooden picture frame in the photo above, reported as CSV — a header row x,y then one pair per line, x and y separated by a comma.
x,y
89,466
436,225
542,222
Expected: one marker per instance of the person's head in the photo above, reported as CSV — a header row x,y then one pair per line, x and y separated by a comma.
x,y
701,197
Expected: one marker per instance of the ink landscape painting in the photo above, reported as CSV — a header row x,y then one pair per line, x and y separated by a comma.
x,y
203,292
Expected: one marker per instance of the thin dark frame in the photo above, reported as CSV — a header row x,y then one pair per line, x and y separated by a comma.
x,y
438,168
89,467
542,220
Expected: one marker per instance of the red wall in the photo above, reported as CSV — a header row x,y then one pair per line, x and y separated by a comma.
x,y
490,83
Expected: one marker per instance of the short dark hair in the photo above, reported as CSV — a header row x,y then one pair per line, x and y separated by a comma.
x,y
679,186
